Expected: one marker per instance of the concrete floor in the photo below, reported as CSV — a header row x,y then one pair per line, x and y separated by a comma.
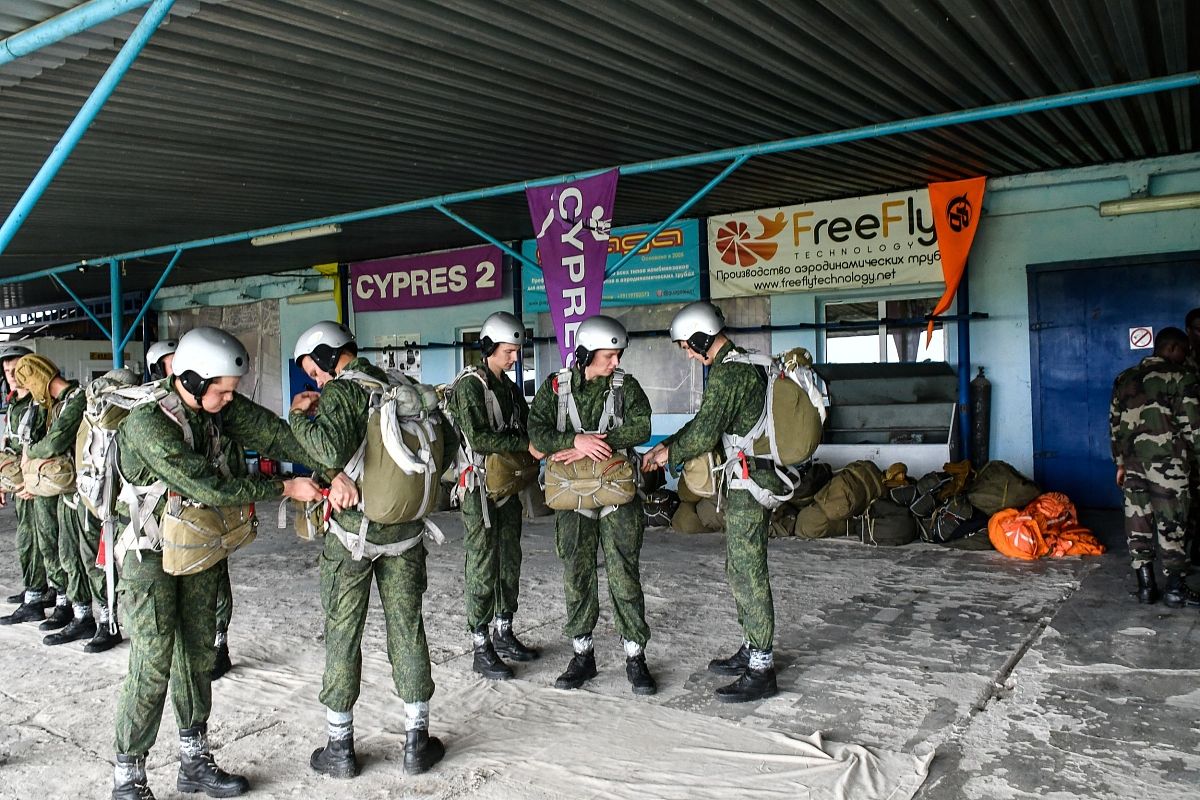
x,y
1028,680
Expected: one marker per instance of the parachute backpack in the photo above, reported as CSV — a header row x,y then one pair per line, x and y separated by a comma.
x,y
787,432
499,476
585,486
398,466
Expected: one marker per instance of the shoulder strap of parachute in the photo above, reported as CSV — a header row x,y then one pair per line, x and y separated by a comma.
x,y
567,409
613,415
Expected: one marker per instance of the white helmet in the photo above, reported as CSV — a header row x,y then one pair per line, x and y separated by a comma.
x,y
500,328
598,333
13,351
156,351
323,343
697,324
205,354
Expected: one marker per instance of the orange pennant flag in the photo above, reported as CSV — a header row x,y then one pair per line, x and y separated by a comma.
x,y
956,207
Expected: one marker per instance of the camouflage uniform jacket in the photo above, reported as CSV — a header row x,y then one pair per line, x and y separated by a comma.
x,y
468,406
12,424
589,398
339,428
151,447
733,401
63,419
1154,417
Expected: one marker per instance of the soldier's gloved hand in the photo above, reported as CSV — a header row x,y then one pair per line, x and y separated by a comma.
x,y
343,493
655,458
593,446
305,490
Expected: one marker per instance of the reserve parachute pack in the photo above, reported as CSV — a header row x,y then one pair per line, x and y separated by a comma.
x,y
398,466
500,476
592,489
12,479
787,432
53,476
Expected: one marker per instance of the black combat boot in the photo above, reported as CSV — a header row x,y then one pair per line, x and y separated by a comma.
x,y
198,772
222,664
734,665
1147,591
1178,594
60,618
639,675
15,599
26,612
580,670
754,684
486,662
129,779
105,639
421,751
336,759
506,643
83,626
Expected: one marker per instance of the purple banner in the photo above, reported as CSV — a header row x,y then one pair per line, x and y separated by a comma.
x,y
572,222
429,280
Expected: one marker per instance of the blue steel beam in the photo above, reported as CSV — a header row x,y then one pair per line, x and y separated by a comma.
x,y
679,212
84,306
104,89
481,233
116,335
66,24
150,299
1180,81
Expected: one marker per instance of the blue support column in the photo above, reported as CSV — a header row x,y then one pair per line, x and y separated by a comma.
x,y
118,337
104,89
66,24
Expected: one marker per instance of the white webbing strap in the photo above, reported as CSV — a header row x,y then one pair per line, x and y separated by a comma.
x,y
360,548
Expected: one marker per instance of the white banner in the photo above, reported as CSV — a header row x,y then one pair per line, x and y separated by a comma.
x,y
882,240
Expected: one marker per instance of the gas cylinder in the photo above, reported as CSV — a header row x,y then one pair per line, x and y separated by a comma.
x,y
981,419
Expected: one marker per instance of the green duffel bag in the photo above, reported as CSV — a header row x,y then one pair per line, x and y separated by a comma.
x,y
712,519
998,486
886,524
811,523
850,492
684,520
783,522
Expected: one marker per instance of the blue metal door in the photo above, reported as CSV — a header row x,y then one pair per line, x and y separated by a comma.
x,y
1080,321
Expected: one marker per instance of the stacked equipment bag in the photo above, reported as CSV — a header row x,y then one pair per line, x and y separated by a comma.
x,y
849,493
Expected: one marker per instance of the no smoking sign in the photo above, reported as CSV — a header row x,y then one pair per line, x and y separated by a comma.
x,y
1141,338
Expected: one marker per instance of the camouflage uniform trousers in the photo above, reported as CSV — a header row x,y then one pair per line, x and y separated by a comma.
x,y
224,607
345,590
70,533
620,534
746,527
1156,510
493,558
89,547
33,571
45,528
170,625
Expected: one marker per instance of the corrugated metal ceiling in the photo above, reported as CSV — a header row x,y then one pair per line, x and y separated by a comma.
x,y
262,112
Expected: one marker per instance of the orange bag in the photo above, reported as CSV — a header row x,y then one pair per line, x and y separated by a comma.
x,y
1017,534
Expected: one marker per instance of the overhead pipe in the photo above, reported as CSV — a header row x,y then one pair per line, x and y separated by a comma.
x,y
87,113
64,25
1180,81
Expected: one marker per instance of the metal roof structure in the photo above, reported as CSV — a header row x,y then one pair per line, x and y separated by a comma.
x,y
257,113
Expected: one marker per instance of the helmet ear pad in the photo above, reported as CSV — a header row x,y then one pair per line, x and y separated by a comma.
x,y
195,385
699,342
487,346
326,357
583,356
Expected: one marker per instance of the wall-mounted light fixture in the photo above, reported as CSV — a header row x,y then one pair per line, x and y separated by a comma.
x,y
1143,205
292,236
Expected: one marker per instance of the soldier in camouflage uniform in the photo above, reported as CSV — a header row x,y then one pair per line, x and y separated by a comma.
x,y
393,554
24,421
733,401
65,403
1154,419
600,343
169,618
159,358
491,415
1192,328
